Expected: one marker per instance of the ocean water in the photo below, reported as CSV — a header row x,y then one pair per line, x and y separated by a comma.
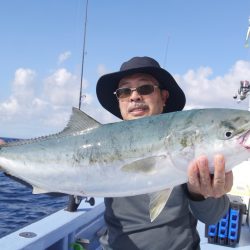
x,y
19,207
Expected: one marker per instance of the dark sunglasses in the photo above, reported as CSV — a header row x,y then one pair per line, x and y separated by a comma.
x,y
146,89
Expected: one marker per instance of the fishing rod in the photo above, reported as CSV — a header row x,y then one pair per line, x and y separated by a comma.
x,y
83,53
74,201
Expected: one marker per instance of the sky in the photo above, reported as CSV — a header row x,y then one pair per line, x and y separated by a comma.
x,y
201,43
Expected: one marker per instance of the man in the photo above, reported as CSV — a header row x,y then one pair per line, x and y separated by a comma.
x,y
142,88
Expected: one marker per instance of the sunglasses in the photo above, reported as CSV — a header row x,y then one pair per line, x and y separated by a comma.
x,y
146,89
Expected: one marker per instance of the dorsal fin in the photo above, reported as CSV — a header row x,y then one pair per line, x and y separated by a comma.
x,y
79,121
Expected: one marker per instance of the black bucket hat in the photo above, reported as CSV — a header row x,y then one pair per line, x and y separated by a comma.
x,y
107,84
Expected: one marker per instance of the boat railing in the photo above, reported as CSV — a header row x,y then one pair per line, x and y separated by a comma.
x,y
62,230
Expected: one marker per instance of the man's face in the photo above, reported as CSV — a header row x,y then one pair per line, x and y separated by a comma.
x,y
136,105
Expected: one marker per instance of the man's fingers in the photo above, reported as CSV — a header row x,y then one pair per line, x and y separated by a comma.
x,y
219,179
193,178
205,179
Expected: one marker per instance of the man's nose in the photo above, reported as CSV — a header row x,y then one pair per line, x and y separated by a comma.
x,y
135,96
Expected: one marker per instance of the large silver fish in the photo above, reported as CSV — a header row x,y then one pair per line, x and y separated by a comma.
x,y
147,155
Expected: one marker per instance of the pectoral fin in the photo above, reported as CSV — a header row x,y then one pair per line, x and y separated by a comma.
x,y
146,165
157,202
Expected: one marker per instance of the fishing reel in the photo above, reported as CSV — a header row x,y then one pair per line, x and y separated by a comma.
x,y
74,202
243,91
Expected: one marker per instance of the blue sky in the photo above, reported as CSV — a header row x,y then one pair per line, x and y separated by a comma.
x,y
200,42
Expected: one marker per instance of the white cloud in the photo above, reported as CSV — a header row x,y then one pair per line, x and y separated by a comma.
x,y
41,105
22,93
202,89
24,77
62,88
8,108
64,56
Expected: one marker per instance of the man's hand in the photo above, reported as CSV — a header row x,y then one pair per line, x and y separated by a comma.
x,y
202,183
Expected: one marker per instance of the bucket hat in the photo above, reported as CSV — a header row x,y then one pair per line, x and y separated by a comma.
x,y
107,84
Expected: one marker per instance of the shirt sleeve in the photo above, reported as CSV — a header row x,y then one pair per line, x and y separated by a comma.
x,y
210,210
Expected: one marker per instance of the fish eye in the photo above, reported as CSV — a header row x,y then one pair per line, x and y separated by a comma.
x,y
228,134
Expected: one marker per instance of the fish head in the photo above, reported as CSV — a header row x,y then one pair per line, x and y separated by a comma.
x,y
226,131
209,132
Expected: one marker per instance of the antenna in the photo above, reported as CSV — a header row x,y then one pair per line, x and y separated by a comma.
x,y
83,53
166,53
248,34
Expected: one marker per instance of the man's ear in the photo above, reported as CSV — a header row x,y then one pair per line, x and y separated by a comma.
x,y
164,95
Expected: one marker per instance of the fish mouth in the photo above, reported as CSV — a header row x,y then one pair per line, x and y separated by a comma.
x,y
245,140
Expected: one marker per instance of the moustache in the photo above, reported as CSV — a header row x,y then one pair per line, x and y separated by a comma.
x,y
137,105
